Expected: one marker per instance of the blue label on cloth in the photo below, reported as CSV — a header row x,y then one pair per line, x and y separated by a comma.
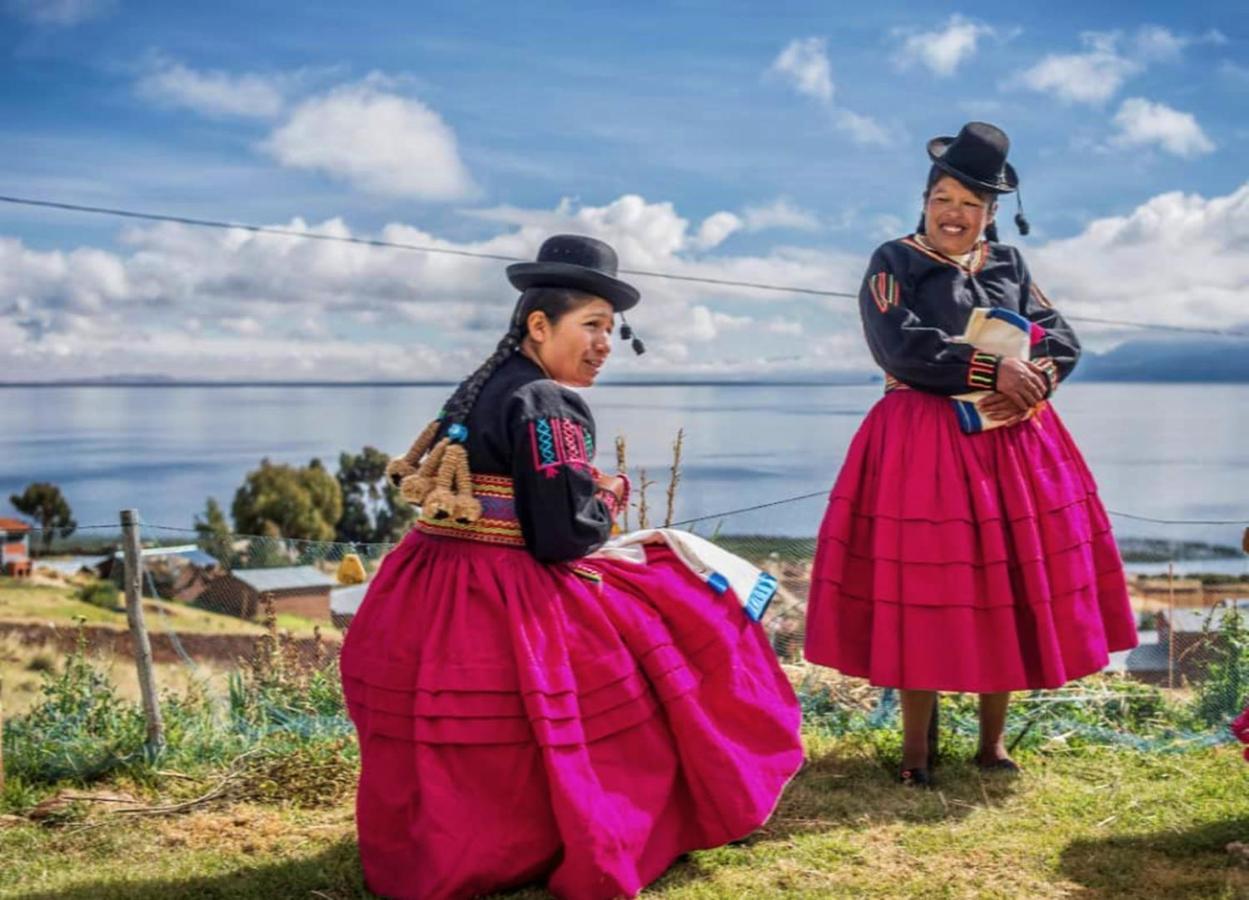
x,y
718,582
968,416
761,596
1011,317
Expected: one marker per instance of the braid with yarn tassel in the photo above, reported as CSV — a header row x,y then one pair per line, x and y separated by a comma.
x,y
435,475
438,478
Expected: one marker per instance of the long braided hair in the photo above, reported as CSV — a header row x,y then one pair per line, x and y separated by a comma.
x,y
434,473
935,174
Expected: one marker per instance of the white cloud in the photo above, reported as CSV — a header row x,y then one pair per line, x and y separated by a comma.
x,y
944,49
62,13
1153,43
1091,77
379,141
1176,259
1109,60
780,213
863,129
787,327
213,93
804,65
715,228
1140,122
277,307
269,306
703,324
1235,73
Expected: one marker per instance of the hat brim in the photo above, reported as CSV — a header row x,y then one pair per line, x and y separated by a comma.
x,y
620,295
1007,185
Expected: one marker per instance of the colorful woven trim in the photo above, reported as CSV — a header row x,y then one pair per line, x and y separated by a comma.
x,y
498,523
892,384
587,574
1050,368
560,442
979,254
1039,296
613,503
982,371
884,290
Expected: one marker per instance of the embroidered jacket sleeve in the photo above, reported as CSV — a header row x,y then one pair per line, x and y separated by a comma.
x,y
1055,347
911,350
563,515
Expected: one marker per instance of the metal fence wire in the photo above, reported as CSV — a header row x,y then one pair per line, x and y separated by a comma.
x,y
256,623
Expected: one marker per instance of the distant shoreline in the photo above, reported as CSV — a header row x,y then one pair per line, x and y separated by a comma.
x,y
684,382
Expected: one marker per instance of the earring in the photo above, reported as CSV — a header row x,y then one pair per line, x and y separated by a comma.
x,y
626,334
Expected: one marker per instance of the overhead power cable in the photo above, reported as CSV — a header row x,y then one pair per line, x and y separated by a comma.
x,y
475,254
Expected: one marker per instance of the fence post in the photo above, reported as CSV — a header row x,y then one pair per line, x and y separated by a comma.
x,y
133,583
1,735
1171,625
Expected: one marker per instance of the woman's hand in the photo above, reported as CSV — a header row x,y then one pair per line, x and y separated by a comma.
x,y
1001,408
613,483
1022,384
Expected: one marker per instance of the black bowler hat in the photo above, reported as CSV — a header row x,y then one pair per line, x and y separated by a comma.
x,y
977,157
579,262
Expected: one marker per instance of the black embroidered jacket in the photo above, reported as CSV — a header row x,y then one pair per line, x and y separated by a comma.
x,y
541,435
914,300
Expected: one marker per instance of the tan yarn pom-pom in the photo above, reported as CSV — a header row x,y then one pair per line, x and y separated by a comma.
x,y
401,467
440,502
416,487
466,510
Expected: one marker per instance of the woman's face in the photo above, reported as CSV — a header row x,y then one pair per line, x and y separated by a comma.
x,y
955,217
574,349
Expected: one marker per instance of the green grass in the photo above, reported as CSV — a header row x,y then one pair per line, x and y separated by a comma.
x,y
1100,823
23,602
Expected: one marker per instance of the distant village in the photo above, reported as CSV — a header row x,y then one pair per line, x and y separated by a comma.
x,y
1179,619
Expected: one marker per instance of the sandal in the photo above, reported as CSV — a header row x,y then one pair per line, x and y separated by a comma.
x,y
916,778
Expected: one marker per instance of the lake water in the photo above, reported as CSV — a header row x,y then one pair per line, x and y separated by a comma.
x,y
1164,451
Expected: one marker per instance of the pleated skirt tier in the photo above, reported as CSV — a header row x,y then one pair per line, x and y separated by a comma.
x,y
582,724
958,562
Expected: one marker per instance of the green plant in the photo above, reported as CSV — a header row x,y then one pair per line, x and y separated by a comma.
x,y
98,593
1221,694
80,730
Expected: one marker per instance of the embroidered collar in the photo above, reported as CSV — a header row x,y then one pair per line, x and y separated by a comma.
x,y
976,259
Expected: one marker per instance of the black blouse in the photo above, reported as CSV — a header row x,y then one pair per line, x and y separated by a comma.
x,y
541,435
914,300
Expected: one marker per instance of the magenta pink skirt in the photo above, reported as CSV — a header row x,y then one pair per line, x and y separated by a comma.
x,y
958,562
582,725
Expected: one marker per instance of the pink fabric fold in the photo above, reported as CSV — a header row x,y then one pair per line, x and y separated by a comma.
x,y
961,562
518,722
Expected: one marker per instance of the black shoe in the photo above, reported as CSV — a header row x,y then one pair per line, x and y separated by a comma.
x,y
1001,766
916,778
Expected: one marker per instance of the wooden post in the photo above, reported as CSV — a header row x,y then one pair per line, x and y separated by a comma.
x,y
1171,625
133,583
1,735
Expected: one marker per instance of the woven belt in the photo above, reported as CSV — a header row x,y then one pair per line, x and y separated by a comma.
x,y
498,523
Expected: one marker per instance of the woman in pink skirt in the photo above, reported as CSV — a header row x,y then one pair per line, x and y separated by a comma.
x,y
526,713
964,547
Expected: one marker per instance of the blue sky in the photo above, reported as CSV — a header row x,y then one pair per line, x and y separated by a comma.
x,y
726,139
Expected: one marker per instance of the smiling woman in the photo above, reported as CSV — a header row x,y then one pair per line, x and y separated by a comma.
x,y
964,554
526,711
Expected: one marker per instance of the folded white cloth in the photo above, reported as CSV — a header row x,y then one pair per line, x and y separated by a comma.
x,y
1001,332
719,568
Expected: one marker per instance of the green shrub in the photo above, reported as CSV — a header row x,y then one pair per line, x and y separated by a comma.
x,y
99,593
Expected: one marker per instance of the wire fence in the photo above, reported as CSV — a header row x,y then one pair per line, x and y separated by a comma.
x,y
252,626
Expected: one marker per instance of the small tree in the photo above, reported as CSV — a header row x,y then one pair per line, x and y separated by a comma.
x,y
278,500
214,533
372,509
44,503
